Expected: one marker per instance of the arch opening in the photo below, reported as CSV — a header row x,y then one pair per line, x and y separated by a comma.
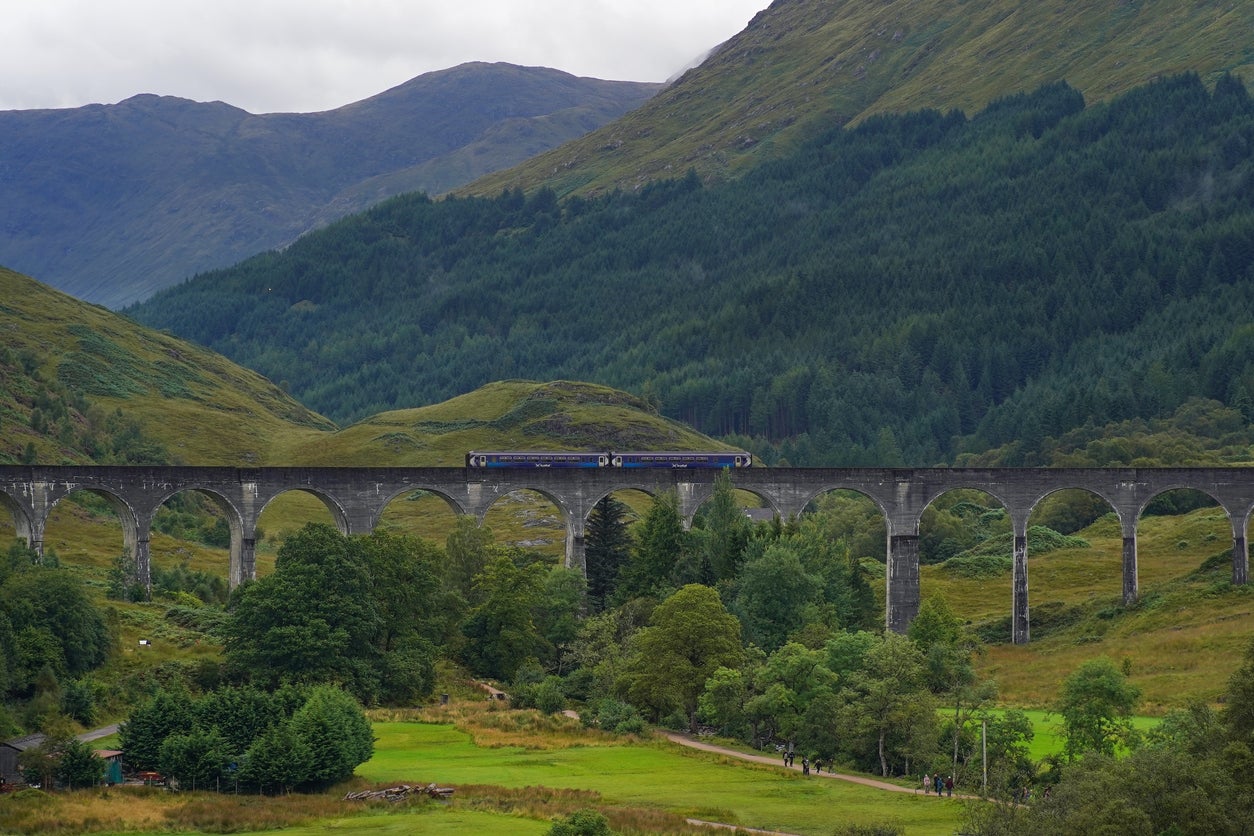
x,y
1182,534
195,547
96,532
1074,542
530,520
14,525
966,558
285,514
806,579
426,514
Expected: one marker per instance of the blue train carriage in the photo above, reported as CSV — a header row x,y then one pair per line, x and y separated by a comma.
x,y
676,459
537,458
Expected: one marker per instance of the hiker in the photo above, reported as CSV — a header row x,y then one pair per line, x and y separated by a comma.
x,y
927,783
949,785
938,784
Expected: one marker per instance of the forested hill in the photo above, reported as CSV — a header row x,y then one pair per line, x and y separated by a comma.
x,y
877,297
803,65
111,202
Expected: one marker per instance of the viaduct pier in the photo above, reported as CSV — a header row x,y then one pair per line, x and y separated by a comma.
x,y
357,496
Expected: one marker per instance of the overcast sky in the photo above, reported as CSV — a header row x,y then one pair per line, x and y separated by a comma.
x,y
271,56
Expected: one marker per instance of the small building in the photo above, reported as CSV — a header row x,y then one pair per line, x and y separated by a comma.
x,y
113,765
10,772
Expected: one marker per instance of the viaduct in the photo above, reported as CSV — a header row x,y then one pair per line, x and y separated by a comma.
x,y
356,497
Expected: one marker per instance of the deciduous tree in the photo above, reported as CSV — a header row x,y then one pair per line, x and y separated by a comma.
x,y
1096,705
690,636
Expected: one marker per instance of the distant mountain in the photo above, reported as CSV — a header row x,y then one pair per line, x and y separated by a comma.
x,y
802,66
112,202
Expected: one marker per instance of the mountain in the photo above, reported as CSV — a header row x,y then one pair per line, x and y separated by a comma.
x,y
901,293
801,66
112,202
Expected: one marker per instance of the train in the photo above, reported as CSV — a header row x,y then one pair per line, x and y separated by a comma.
x,y
602,458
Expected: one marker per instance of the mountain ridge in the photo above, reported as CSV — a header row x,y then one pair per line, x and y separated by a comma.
x,y
802,65
111,202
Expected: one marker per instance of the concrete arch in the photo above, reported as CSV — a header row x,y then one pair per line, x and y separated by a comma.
x,y
236,571
23,525
701,498
572,520
454,505
1233,517
861,490
596,499
134,527
558,501
990,490
338,514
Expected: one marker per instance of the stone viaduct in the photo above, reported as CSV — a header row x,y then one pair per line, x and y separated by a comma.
x,y
356,497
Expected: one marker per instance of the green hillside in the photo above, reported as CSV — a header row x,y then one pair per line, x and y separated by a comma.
x,y
905,292
77,378
506,415
81,384
804,65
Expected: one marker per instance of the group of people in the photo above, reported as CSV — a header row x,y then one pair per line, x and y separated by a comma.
x,y
936,782
805,763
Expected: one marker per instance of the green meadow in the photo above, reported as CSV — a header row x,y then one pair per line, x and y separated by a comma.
x,y
651,775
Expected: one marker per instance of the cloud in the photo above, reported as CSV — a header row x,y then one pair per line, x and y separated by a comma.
x,y
304,55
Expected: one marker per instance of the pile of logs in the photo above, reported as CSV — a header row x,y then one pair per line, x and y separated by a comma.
x,y
400,792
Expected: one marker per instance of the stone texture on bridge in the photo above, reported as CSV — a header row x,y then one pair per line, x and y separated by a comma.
x,y
356,497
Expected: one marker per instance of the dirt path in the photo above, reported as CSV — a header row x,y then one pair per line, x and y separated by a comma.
x,y
686,740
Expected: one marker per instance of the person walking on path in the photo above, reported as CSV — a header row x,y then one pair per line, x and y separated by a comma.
x,y
949,786
938,784
927,783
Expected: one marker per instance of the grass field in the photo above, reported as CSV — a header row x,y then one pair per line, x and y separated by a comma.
x,y
510,786
652,775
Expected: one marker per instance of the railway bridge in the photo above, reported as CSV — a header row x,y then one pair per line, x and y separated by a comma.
x,y
357,496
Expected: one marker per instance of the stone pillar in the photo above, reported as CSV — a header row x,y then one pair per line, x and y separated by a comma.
x,y
1130,592
143,561
576,557
1019,621
247,562
1240,553
901,603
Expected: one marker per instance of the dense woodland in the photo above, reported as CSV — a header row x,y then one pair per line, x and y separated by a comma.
x,y
920,287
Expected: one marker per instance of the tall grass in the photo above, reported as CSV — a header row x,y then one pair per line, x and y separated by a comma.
x,y
148,809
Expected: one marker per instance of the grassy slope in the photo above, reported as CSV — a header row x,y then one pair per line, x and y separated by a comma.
x,y
1183,639
202,407
803,64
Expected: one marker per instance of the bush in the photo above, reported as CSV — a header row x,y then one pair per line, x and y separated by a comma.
x,y
614,716
548,695
581,823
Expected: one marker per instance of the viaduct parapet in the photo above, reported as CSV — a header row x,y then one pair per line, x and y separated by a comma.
x,y
356,498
